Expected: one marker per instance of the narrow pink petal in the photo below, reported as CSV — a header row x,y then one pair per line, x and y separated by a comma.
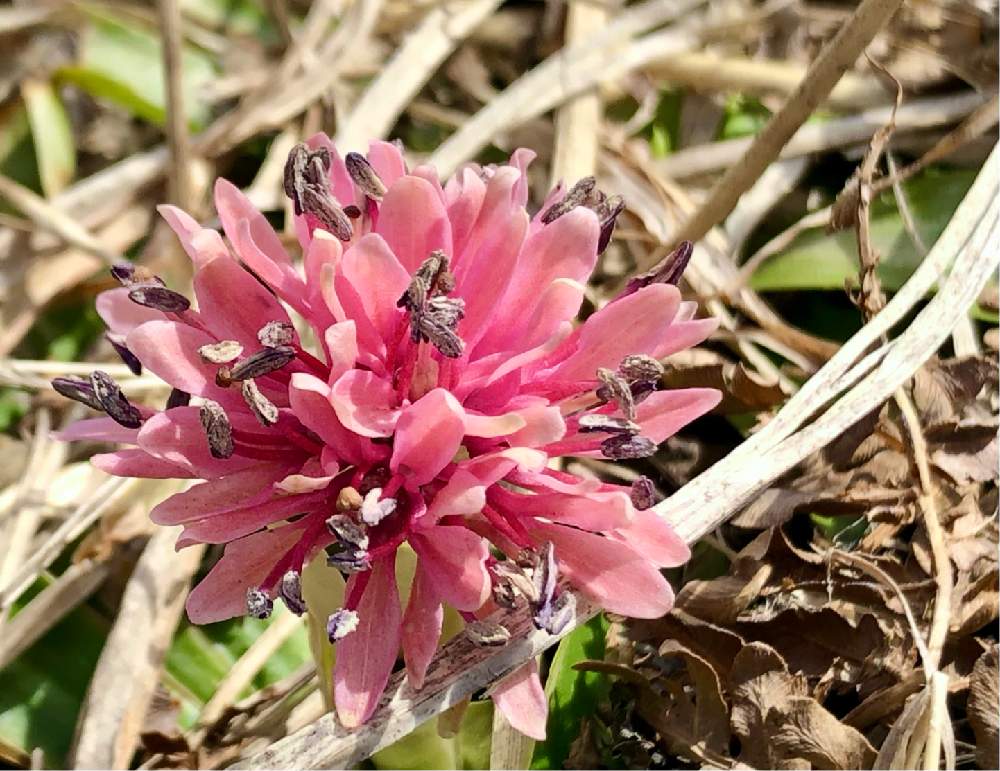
x,y
521,699
428,435
684,334
490,469
421,627
223,527
97,430
281,277
121,314
413,221
611,573
342,347
201,244
653,537
379,279
557,305
638,323
366,656
322,257
387,160
463,494
664,413
594,511
520,159
225,493
222,593
543,424
490,426
169,349
233,303
362,401
178,437
455,561
133,462
464,194
352,305
310,401
233,207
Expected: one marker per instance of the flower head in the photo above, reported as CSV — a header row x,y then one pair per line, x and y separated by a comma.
x,y
410,381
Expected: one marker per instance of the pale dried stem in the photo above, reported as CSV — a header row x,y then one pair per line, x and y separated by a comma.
x,y
178,141
509,748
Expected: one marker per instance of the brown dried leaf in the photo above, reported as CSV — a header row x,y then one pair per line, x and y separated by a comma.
x,y
984,706
742,390
708,717
806,730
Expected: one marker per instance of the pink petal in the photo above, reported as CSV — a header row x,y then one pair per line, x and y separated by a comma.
x,y
520,159
379,280
233,207
97,430
281,277
490,469
490,426
421,627
234,304
134,462
169,349
366,656
455,561
663,413
178,437
638,323
522,700
428,435
342,347
543,424
464,194
387,160
352,305
463,494
364,403
201,244
223,494
609,572
558,304
321,261
223,527
222,593
594,511
310,401
685,334
413,221
653,537
121,314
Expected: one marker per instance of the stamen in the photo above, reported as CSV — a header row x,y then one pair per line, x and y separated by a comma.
x,y
364,176
276,333
262,408
487,633
352,211
608,211
643,494
595,422
348,532
259,605
77,389
638,366
264,362
348,560
113,401
615,388
575,196
130,359
514,575
627,447
290,592
348,499
323,207
159,298
667,272
178,398
556,616
218,429
305,182
294,177
128,274
374,510
340,624
545,577
222,352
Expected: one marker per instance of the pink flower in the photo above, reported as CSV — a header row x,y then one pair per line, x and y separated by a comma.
x,y
431,374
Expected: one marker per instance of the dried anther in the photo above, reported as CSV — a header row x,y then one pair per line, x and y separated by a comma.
x,y
585,193
323,207
433,316
615,388
178,398
259,605
626,447
262,408
348,560
218,429
667,272
487,633
643,494
222,352
276,333
113,401
127,274
307,185
364,176
556,616
159,298
340,624
349,499
545,576
290,591
596,422
348,532
638,366
577,195
77,389
264,362
374,508
130,359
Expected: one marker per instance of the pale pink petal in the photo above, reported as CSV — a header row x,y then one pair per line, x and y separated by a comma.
x,y
387,161
413,221
223,494
379,279
421,627
685,334
362,401
521,699
342,348
663,413
97,430
133,462
653,537
121,314
233,207
310,401
490,469
223,527
222,593
455,561
366,656
464,194
463,494
543,424
557,305
169,349
489,426
321,262
178,437
593,511
428,435
201,244
352,303
520,159
611,573
638,323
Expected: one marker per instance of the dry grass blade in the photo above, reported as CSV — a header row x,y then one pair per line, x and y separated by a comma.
x,y
177,131
128,670
442,29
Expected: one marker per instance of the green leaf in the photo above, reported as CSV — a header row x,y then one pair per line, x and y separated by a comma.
x,y
816,260
571,694
744,116
123,63
323,590
52,133
840,528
